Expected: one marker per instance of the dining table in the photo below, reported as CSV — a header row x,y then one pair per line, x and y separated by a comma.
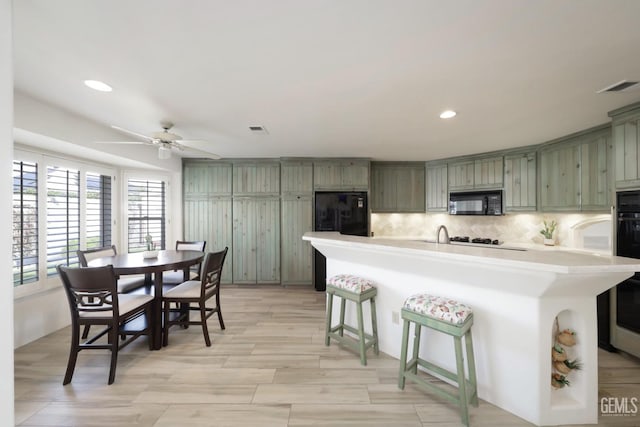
x,y
136,263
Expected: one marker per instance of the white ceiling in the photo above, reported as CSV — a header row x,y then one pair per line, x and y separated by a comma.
x,y
363,78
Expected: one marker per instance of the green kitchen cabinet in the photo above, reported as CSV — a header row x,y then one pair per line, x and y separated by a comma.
x,y
626,145
209,219
437,194
594,179
520,179
205,179
345,175
488,172
397,187
256,178
296,177
560,178
574,173
296,259
256,240
461,175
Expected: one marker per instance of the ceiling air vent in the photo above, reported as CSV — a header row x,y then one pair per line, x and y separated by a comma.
x,y
622,86
258,129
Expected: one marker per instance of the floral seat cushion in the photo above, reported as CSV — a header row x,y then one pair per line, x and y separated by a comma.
x,y
350,283
439,308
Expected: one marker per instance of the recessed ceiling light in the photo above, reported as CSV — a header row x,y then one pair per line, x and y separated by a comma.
x,y
98,85
447,114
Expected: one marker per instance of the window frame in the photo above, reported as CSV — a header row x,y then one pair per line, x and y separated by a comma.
x,y
43,162
145,176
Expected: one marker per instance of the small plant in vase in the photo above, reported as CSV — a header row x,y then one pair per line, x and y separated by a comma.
x,y
150,252
149,241
547,232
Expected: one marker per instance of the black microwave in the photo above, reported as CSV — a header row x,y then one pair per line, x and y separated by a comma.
x,y
476,203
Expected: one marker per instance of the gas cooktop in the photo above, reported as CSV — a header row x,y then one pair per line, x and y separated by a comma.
x,y
480,240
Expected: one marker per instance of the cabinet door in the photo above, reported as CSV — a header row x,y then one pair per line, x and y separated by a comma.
x,y
410,192
244,241
296,253
210,220
461,175
383,189
296,177
520,182
268,240
437,192
327,175
560,178
626,140
488,173
355,175
256,179
206,179
594,175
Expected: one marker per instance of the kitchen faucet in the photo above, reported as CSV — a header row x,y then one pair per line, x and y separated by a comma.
x,y
446,235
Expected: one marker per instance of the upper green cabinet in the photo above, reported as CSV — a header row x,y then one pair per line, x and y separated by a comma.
x,y
437,195
520,181
256,178
341,175
574,174
397,187
476,173
461,175
626,145
202,179
296,177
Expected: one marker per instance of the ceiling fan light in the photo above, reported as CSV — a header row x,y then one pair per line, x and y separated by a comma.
x,y
164,153
448,114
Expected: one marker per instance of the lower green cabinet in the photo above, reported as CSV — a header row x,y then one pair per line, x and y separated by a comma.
x,y
297,212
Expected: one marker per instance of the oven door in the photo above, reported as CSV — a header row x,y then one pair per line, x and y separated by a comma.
x,y
625,298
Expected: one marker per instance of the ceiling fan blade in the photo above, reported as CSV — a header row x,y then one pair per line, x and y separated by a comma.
x,y
123,142
203,153
139,135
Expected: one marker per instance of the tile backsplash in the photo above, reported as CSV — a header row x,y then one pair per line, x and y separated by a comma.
x,y
514,227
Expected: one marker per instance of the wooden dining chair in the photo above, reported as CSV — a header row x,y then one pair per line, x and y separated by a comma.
x,y
196,292
94,300
172,278
125,284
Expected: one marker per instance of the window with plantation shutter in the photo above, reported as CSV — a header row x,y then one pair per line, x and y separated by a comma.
x,y
25,222
63,217
145,214
98,210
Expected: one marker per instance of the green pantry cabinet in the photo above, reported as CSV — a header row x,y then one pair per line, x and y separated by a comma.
x,y
297,217
260,209
574,172
207,208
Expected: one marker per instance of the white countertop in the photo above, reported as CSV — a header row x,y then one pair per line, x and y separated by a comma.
x,y
552,259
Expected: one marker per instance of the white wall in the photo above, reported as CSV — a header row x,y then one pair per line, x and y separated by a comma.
x,y
6,153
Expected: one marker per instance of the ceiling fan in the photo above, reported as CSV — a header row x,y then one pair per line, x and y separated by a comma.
x,y
165,141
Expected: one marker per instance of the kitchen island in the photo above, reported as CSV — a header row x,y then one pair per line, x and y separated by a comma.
x,y
516,297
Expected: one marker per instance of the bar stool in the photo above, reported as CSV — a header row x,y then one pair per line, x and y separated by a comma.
x,y
452,318
356,289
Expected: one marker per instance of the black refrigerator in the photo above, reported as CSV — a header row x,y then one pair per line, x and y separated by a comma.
x,y
346,212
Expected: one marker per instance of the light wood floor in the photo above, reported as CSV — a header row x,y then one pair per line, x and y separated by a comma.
x,y
270,367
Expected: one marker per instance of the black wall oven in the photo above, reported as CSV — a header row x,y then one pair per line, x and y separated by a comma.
x,y
625,313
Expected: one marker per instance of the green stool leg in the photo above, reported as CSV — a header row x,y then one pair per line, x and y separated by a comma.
x,y
363,348
462,389
343,303
374,326
329,311
403,354
416,346
472,369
